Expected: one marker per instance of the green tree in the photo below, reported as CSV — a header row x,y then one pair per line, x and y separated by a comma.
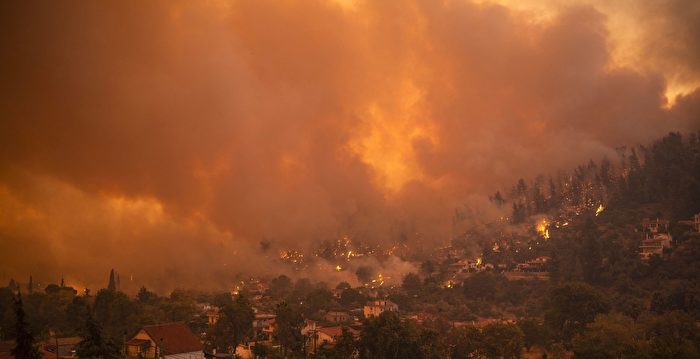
x,y
411,283
427,268
534,333
288,328
234,324
261,350
502,340
344,348
116,313
466,342
387,337
146,296
671,335
591,256
609,336
77,312
351,297
180,306
572,306
95,345
280,286
346,345
24,340
112,285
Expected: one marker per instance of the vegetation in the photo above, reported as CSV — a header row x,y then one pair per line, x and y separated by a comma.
x,y
601,300
25,347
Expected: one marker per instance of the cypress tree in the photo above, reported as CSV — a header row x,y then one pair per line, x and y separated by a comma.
x,y
24,348
112,283
30,288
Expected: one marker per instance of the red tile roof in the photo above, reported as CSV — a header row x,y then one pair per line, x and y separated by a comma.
x,y
336,331
177,338
331,331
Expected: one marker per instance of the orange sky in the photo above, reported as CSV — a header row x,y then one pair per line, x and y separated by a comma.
x,y
167,138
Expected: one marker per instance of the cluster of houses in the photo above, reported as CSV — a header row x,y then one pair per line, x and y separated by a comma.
x,y
177,341
657,237
315,334
538,264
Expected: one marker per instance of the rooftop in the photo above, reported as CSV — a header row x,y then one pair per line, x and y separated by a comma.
x,y
176,338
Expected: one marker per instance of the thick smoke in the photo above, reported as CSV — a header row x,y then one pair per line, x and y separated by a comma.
x,y
168,138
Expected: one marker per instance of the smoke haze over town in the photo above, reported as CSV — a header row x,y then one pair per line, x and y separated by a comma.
x,y
185,142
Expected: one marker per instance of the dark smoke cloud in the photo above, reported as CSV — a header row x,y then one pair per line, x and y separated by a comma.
x,y
168,138
671,34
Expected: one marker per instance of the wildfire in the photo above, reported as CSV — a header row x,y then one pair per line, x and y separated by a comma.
x,y
378,282
543,229
599,210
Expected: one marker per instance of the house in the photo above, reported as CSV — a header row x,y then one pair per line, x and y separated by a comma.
x,y
656,238
538,264
337,317
169,341
309,327
459,267
263,325
212,315
654,226
330,335
65,347
654,246
377,307
421,317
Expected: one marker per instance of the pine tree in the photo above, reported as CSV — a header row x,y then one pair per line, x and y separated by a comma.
x,y
30,287
288,329
112,283
25,348
94,344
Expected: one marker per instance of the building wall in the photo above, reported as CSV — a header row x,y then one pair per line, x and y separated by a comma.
x,y
133,351
325,338
190,355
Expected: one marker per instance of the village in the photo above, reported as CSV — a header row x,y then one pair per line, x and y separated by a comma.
x,y
343,311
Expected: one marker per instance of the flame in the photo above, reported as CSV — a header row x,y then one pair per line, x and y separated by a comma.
x,y
543,229
478,261
599,210
338,268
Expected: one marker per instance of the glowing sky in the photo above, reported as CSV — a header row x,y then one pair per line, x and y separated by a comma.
x,y
167,138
